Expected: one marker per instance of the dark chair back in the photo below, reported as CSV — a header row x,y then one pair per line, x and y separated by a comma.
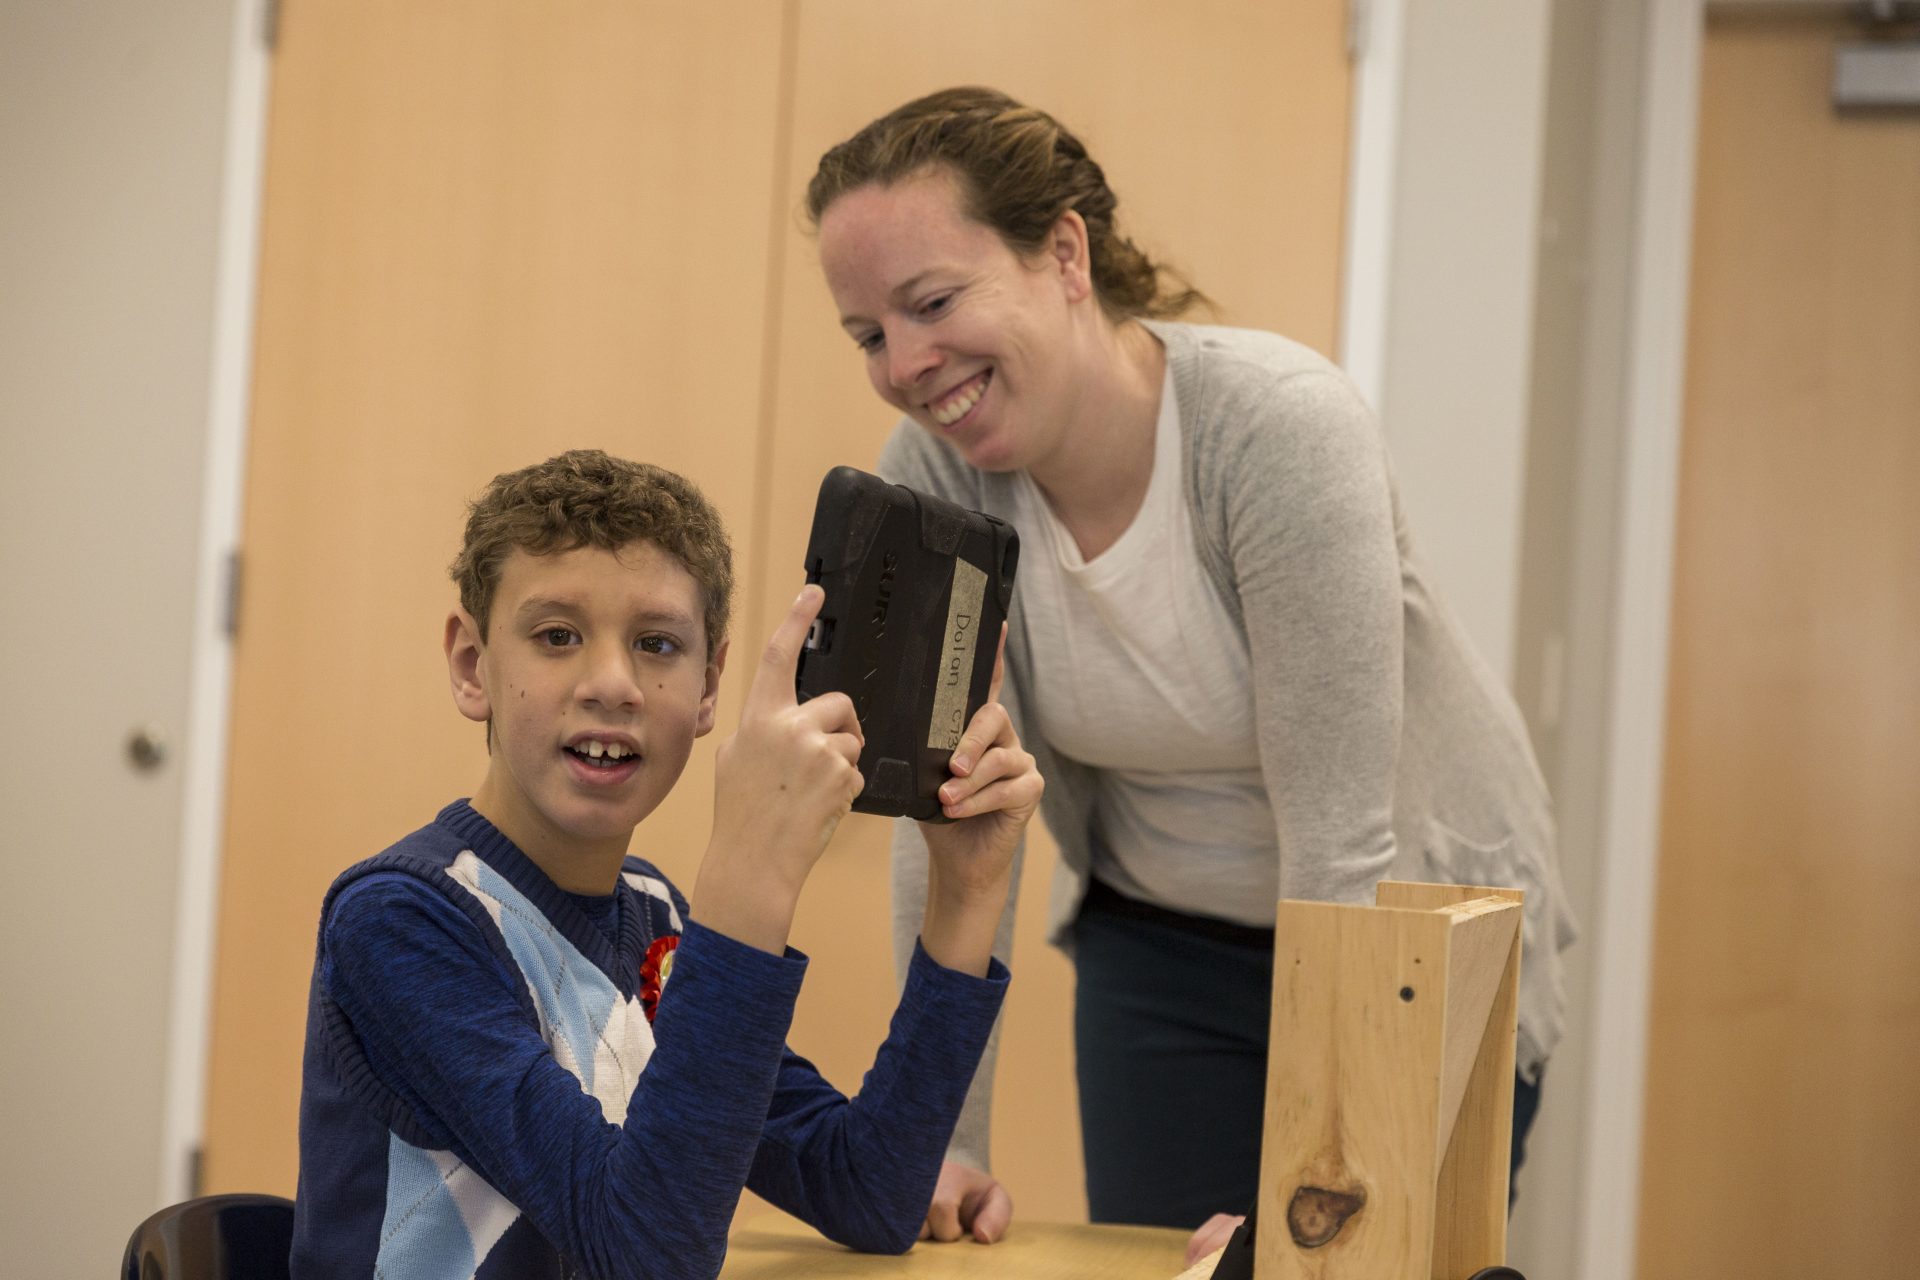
x,y
237,1237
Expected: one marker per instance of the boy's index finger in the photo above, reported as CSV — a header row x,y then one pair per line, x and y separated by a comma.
x,y
780,660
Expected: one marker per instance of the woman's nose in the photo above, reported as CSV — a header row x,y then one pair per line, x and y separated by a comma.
x,y
909,357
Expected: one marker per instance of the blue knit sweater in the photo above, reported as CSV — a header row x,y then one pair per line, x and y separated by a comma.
x,y
504,1079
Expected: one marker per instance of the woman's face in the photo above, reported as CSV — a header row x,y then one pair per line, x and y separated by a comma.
x,y
966,337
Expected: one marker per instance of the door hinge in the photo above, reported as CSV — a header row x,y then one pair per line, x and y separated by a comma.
x,y
196,1172
270,24
230,605
1359,18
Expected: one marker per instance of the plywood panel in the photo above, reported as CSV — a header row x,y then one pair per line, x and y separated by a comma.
x,y
1223,127
776,1247
1782,1125
493,231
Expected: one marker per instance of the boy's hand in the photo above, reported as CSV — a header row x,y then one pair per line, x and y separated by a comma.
x,y
967,1202
782,783
992,795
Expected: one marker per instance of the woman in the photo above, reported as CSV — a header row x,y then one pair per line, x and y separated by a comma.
x,y
1235,676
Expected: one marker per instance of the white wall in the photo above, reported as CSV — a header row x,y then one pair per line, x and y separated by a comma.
x,y
1458,329
1565,641
113,134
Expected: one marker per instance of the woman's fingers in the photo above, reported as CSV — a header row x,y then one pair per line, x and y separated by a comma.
x,y
967,1202
1213,1234
987,1212
943,1221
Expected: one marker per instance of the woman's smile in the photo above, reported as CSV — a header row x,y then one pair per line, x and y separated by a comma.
x,y
951,409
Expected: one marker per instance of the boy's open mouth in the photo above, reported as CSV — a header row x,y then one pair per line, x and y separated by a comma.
x,y
603,755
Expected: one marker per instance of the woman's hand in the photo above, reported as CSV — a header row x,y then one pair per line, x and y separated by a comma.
x,y
1213,1234
967,1202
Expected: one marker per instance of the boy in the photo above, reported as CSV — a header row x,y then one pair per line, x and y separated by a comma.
x,y
510,1068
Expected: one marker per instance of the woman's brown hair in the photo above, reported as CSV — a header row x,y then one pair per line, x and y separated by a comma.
x,y
1019,170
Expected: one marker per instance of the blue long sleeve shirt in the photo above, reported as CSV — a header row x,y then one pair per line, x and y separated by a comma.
x,y
504,1079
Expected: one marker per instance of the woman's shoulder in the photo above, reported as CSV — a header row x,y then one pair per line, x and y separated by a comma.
x,y
1229,351
1240,385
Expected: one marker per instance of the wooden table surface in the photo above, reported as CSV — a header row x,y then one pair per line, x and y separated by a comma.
x,y
774,1245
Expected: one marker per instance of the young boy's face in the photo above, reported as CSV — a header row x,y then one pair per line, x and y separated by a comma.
x,y
587,651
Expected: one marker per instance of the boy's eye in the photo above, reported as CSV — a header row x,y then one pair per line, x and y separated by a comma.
x,y
558,637
871,342
663,646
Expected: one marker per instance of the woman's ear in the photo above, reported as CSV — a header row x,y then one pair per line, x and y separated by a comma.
x,y
1071,255
463,646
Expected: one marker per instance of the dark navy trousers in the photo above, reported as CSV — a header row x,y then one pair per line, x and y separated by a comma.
x,y
1171,1017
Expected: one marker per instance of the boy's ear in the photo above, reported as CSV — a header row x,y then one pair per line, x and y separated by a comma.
x,y
710,691
463,666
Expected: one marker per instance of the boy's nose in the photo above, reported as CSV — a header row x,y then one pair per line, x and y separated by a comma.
x,y
609,680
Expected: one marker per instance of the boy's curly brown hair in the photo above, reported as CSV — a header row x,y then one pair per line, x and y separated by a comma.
x,y
586,498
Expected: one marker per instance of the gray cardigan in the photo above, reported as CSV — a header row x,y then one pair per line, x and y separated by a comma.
x,y
1387,747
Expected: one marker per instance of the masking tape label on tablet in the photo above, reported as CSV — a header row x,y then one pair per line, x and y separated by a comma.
x,y
956,657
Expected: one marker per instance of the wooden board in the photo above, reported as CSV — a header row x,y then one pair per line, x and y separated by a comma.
x,y
775,1247
1398,1020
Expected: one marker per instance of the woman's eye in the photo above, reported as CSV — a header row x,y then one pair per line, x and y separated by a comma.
x,y
935,305
871,342
663,646
557,637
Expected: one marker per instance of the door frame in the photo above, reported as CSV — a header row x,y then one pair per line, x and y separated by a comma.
x,y
1374,43
210,677
1640,560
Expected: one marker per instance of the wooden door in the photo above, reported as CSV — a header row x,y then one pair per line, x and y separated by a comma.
x,y
495,231
1782,1117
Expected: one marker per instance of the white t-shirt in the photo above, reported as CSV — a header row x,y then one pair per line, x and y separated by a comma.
x,y
1139,672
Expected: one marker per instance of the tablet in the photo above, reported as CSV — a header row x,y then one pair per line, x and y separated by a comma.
x,y
917,588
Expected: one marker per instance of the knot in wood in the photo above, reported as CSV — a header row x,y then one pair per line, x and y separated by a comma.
x,y
1316,1214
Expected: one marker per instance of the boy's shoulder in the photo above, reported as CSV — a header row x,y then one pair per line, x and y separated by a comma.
x,y
459,873
424,855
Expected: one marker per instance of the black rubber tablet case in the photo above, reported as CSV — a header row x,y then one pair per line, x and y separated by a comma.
x,y
917,588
